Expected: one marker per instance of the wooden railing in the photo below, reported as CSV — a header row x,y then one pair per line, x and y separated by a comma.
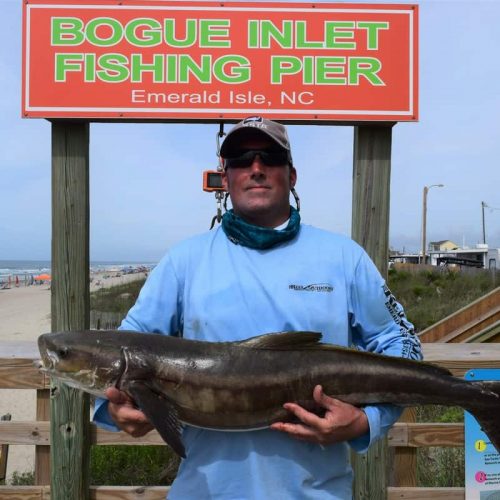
x,y
467,324
18,372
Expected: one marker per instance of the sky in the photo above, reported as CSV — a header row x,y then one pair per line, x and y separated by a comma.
x,y
146,179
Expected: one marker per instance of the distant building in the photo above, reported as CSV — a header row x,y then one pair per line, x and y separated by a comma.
x,y
493,258
446,252
396,257
438,246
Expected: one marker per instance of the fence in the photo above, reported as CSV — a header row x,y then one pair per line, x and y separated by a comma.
x,y
17,372
105,320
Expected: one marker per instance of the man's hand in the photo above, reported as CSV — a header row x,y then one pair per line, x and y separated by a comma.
x,y
126,415
341,422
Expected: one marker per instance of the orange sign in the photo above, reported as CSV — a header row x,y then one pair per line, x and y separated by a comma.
x,y
168,59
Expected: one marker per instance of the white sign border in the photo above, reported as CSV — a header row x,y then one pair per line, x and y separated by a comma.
x,y
212,111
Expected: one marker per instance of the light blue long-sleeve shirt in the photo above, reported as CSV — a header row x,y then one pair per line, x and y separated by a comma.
x,y
208,288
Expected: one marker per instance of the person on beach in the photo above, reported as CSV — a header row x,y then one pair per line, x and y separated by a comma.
x,y
264,271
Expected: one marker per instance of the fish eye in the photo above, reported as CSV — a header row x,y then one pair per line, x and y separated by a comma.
x,y
62,352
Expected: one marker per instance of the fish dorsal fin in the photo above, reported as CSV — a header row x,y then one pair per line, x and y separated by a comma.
x,y
283,340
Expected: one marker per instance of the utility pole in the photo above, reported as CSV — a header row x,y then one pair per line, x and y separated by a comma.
x,y
483,206
424,221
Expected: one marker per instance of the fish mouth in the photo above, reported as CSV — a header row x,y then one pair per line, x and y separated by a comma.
x,y
41,367
48,362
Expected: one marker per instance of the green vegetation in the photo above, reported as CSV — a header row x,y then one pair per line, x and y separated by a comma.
x,y
23,478
116,299
132,465
440,467
429,296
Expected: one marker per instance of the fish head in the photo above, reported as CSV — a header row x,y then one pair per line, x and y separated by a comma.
x,y
84,360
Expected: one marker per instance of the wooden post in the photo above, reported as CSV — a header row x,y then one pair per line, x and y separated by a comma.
x,y
371,189
404,470
4,451
70,304
370,228
42,452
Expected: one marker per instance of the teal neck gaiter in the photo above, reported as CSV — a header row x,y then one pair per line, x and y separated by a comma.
x,y
261,238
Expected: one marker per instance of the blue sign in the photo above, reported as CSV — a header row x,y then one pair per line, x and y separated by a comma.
x,y
482,461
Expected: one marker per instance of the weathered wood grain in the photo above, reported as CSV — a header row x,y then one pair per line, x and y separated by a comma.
x,y
417,435
19,373
70,303
460,358
401,435
425,493
95,492
42,452
24,492
404,465
370,228
128,493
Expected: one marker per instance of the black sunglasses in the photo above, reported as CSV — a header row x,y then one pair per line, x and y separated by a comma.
x,y
270,158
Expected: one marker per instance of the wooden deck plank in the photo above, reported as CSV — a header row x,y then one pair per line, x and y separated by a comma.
x,y
96,492
425,493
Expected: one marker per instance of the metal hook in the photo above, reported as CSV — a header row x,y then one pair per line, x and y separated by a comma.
x,y
218,216
218,194
219,136
297,199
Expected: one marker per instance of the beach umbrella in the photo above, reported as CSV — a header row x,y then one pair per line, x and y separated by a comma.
x,y
43,277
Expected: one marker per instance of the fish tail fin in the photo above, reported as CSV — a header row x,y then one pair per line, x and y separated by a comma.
x,y
488,415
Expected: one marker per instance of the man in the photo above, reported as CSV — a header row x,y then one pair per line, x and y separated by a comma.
x,y
263,271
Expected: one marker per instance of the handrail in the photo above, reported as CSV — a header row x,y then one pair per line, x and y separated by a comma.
x,y
16,360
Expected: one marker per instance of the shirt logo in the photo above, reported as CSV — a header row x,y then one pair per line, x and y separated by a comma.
x,y
313,287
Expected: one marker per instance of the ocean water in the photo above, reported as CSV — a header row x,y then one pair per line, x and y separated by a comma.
x,y
23,268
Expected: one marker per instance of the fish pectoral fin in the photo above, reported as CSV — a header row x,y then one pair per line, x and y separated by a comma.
x,y
284,340
161,412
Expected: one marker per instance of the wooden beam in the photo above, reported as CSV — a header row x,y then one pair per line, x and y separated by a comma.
x,y
21,374
460,358
70,303
96,492
425,493
370,228
414,435
421,435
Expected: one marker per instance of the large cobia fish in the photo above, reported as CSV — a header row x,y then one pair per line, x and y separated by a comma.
x,y
243,385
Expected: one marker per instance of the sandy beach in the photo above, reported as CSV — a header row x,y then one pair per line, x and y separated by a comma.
x,y
25,314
